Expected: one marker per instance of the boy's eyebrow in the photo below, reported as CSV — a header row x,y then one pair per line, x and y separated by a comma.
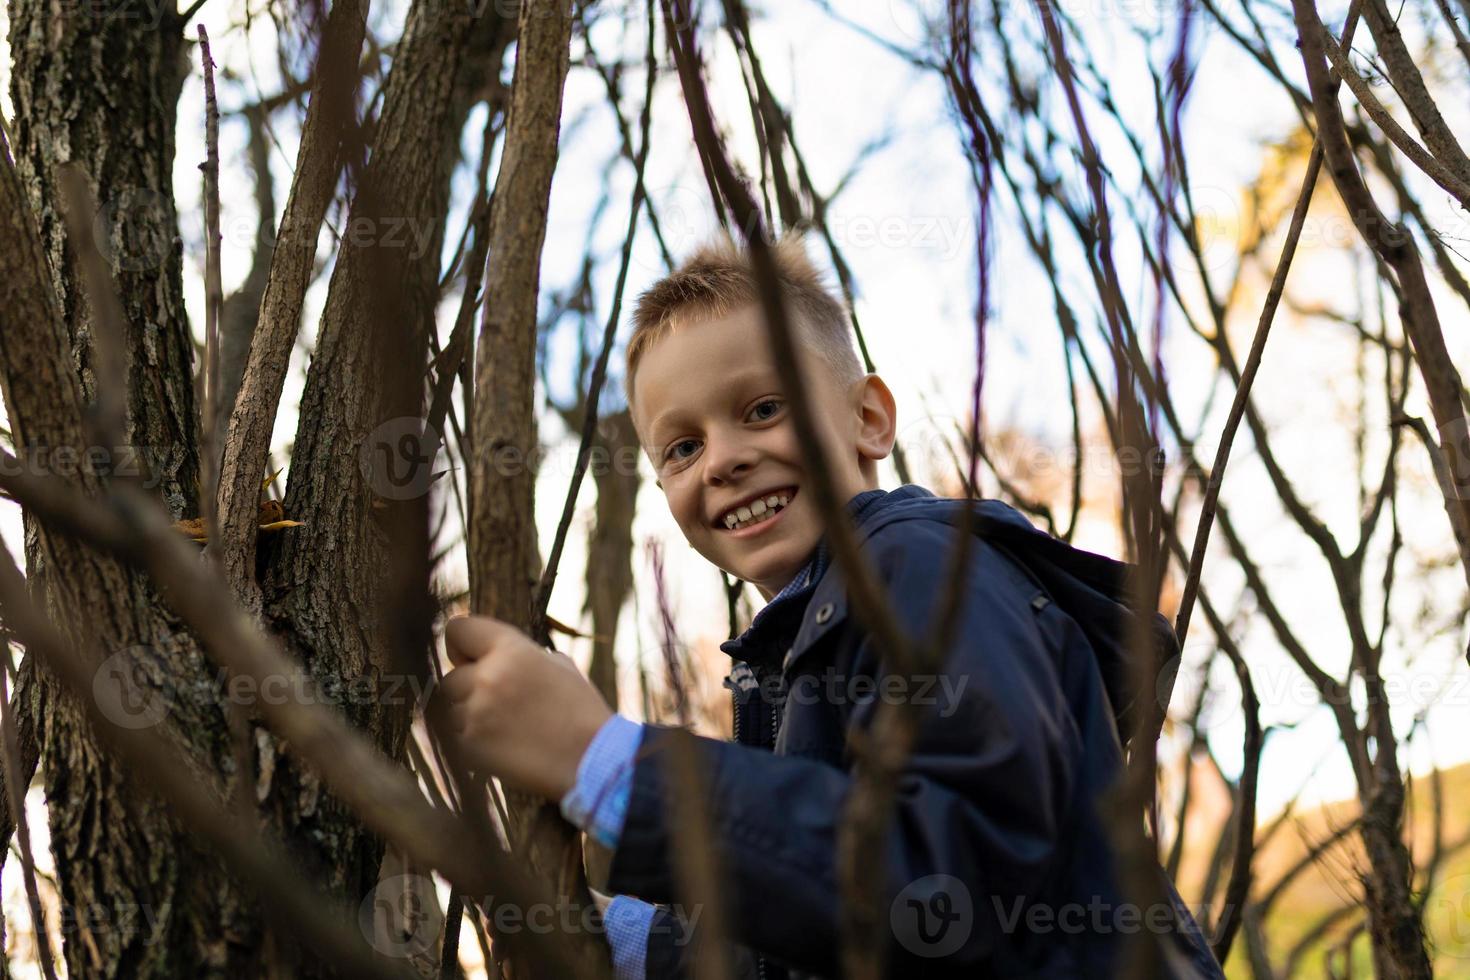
x,y
732,381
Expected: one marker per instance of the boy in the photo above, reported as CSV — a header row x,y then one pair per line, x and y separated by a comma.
x,y
997,856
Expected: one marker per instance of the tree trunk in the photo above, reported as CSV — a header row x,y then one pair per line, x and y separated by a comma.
x,y
99,86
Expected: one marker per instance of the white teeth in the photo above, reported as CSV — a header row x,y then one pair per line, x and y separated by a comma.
x,y
760,509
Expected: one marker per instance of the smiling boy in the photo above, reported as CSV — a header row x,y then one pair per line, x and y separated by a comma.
x,y
997,857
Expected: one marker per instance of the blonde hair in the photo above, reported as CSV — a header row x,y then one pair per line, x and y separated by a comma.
x,y
718,279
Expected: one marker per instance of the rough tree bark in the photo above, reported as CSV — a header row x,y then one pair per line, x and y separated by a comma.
x,y
98,86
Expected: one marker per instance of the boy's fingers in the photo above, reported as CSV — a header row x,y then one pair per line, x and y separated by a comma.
x,y
468,638
455,686
442,712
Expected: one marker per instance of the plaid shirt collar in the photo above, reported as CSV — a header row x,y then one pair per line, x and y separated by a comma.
x,y
774,623
813,570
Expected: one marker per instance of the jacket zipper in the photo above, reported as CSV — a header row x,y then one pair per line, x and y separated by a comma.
x,y
775,725
735,706
735,711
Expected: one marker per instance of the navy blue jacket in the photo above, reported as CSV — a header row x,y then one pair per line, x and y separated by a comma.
x,y
998,854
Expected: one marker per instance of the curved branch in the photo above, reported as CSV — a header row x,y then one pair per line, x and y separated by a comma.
x,y
1422,158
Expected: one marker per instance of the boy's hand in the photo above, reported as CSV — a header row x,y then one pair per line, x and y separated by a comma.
x,y
513,709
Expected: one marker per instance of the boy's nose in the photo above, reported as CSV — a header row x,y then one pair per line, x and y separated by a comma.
x,y
726,460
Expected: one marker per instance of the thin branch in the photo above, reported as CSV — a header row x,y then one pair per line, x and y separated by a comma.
x,y
542,598
1395,246
214,294
1403,73
1242,395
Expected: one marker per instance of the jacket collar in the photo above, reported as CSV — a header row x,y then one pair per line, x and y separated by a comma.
x,y
770,634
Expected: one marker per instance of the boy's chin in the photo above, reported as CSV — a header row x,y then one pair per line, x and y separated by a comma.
x,y
776,565
774,574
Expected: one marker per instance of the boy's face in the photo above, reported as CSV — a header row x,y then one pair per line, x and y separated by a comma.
x,y
712,415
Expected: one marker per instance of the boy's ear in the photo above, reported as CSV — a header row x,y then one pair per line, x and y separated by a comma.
x,y
877,417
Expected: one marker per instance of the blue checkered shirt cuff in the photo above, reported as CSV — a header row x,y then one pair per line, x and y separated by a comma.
x,y
627,921
598,802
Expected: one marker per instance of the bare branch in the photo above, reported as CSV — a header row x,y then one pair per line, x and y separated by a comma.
x,y
214,293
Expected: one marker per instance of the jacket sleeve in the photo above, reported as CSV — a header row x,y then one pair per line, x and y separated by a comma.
x,y
979,809
671,953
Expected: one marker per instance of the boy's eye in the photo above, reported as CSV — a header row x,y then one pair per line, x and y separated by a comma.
x,y
774,406
675,455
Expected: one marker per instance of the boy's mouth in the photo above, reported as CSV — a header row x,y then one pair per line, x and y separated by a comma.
x,y
757,510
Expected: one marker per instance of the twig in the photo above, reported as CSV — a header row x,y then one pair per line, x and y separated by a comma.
x,y
214,295
1196,561
1403,73
1461,41
1411,148
1393,244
